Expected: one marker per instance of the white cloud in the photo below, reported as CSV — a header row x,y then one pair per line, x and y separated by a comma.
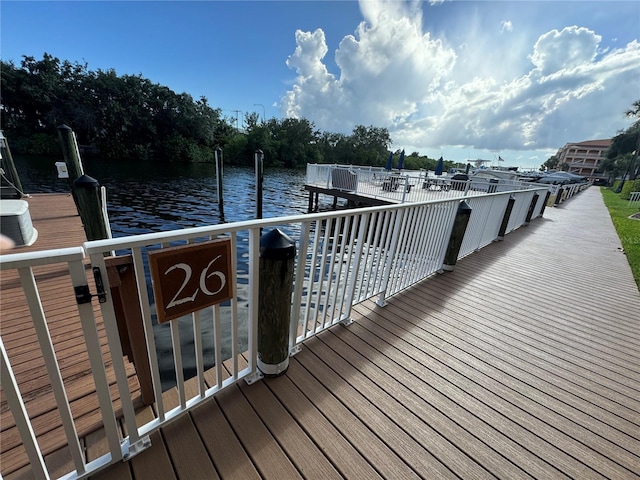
x,y
490,95
507,26
555,51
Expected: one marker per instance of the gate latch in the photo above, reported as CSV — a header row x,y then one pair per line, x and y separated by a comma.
x,y
84,295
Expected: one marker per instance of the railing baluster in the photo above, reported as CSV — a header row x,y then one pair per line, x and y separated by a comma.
x,y
197,343
334,286
177,360
320,304
363,221
148,329
217,337
345,251
298,285
311,279
252,321
16,405
399,216
51,363
94,350
234,308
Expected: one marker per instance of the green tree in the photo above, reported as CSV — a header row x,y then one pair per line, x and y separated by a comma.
x,y
124,116
370,145
550,164
296,141
627,143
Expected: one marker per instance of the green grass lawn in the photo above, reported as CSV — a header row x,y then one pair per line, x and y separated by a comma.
x,y
628,229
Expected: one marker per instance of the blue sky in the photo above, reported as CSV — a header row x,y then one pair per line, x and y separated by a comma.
x,y
459,79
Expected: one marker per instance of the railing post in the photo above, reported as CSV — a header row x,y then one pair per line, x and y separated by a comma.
x,y
457,235
505,218
532,207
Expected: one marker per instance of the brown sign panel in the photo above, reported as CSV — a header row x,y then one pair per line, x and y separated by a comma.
x,y
190,277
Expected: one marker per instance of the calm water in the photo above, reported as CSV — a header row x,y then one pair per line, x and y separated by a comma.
x,y
148,197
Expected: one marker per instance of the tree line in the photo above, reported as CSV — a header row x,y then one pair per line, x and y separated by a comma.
x,y
128,117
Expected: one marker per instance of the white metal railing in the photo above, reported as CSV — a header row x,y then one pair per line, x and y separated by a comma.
x,y
24,264
343,258
405,186
633,198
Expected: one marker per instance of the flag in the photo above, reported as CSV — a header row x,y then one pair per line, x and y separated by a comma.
x,y
439,166
500,159
389,162
401,161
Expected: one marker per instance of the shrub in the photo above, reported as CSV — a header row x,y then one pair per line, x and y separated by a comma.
x,y
630,186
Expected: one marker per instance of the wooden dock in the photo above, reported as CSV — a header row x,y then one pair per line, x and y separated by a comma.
x,y
523,363
59,226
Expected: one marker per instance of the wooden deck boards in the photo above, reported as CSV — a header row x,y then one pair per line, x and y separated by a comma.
x,y
59,226
523,363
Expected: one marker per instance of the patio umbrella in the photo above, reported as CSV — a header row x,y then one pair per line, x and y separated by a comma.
x,y
401,161
389,162
440,166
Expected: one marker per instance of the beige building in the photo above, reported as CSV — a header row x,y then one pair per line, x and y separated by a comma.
x,y
583,158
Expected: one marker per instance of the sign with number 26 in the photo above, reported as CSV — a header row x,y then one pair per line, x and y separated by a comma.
x,y
190,277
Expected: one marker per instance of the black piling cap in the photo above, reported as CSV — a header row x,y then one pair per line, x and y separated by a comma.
x,y
85,181
464,208
277,245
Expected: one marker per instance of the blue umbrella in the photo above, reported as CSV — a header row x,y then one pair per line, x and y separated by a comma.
x,y
401,161
440,166
389,162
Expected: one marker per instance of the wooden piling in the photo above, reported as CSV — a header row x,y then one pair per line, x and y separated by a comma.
x,y
219,178
85,189
457,236
506,217
532,207
259,157
70,153
86,192
277,254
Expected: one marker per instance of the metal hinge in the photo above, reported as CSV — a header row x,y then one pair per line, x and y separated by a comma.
x,y
84,295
